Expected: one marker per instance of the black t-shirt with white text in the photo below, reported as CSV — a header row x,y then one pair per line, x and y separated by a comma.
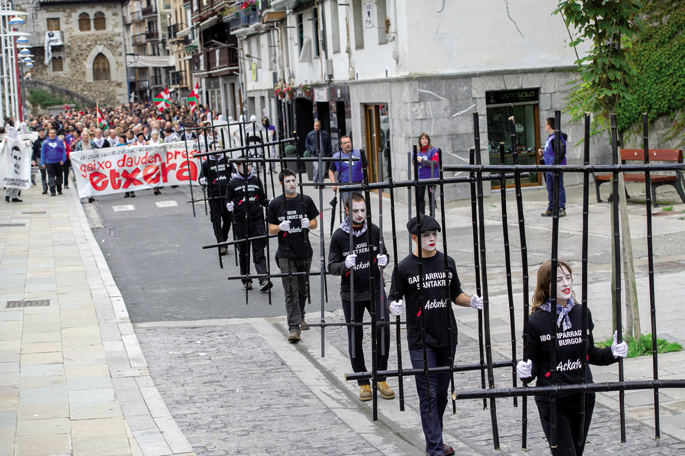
x,y
405,284
292,244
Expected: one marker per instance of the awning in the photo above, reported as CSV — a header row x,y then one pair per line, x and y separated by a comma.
x,y
184,32
146,61
282,5
185,58
209,22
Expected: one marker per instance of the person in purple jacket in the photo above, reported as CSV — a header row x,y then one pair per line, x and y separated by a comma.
x,y
52,157
427,157
342,167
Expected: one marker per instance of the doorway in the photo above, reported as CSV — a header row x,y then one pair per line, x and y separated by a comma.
x,y
377,129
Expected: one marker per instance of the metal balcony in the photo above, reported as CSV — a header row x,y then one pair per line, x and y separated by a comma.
x,y
149,10
152,36
138,39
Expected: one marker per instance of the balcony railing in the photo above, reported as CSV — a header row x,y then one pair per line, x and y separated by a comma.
x,y
156,80
178,78
138,39
153,35
149,10
136,16
216,59
249,17
173,30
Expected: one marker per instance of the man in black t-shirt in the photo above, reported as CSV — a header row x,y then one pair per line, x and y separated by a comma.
x,y
293,215
215,175
361,259
437,317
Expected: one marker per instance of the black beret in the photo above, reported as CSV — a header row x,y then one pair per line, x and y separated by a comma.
x,y
428,223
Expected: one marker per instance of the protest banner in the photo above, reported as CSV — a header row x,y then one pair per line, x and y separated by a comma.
x,y
15,164
130,168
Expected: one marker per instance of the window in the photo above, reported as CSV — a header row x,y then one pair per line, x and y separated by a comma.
x,y
99,22
53,24
381,17
335,26
57,64
84,22
358,24
300,32
100,68
315,22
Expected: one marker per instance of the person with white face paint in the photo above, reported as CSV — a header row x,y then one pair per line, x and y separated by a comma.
x,y
340,262
292,216
568,356
405,289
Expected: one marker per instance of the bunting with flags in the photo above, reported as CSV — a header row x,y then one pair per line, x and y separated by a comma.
x,y
163,100
193,97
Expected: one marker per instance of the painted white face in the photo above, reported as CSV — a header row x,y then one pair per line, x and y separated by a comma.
x,y
429,240
290,184
358,212
564,283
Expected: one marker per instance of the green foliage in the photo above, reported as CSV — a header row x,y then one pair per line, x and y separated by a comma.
x,y
44,98
659,85
667,208
643,347
607,70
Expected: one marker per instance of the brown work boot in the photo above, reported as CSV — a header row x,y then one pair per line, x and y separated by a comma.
x,y
547,213
294,337
385,390
365,393
562,213
304,326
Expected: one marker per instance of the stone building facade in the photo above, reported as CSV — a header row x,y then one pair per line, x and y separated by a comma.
x,y
91,60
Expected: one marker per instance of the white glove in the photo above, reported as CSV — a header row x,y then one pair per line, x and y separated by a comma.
x,y
284,226
619,350
305,223
396,307
350,261
203,181
382,260
477,302
229,206
524,369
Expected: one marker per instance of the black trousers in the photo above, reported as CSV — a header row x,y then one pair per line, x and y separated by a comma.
x,y
221,219
568,426
44,179
66,167
258,257
431,199
54,176
358,364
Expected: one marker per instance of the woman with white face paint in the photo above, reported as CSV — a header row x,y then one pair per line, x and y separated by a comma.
x,y
406,286
361,259
568,356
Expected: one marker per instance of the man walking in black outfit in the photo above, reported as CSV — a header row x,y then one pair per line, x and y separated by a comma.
x,y
340,262
245,198
35,158
215,175
293,215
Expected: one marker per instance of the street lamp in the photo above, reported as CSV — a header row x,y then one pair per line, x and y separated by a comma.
x,y
24,52
8,59
17,21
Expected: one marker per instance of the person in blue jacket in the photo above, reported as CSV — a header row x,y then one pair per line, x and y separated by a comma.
x,y
52,157
548,154
342,166
427,156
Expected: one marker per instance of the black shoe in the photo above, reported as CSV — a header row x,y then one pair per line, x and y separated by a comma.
x,y
247,285
66,186
45,192
17,200
33,183
127,194
223,250
157,192
53,194
264,286
7,198
91,199
59,193
133,194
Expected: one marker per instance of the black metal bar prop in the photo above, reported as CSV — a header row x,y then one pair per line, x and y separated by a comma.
x,y
410,161
372,285
486,302
190,181
306,234
431,370
266,223
322,255
246,244
419,250
296,299
379,177
617,266
524,269
398,334
650,256
348,205
584,262
447,271
476,265
507,262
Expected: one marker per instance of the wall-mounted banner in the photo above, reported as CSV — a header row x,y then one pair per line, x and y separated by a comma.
x,y
125,168
15,164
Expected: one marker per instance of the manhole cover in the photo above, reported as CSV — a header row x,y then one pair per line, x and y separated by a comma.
x,y
10,225
668,266
35,212
34,303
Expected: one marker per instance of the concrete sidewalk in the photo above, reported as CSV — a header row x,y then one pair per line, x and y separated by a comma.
x,y
73,379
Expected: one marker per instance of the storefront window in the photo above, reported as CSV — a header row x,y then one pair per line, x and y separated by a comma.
x,y
524,109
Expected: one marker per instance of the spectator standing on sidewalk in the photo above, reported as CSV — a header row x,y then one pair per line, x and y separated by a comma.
x,y
35,158
568,353
340,262
318,142
341,167
294,215
53,154
427,160
248,221
548,154
437,319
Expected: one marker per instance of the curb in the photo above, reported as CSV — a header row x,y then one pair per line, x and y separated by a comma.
x,y
146,414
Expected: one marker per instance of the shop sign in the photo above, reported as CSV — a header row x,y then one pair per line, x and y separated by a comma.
x,y
512,96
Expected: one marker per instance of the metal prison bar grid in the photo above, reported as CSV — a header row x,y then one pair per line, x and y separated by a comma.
x,y
517,170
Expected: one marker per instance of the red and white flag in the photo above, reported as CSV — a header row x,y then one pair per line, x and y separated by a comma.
x,y
163,100
193,97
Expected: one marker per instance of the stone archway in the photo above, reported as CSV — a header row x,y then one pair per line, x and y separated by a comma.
x,y
100,49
